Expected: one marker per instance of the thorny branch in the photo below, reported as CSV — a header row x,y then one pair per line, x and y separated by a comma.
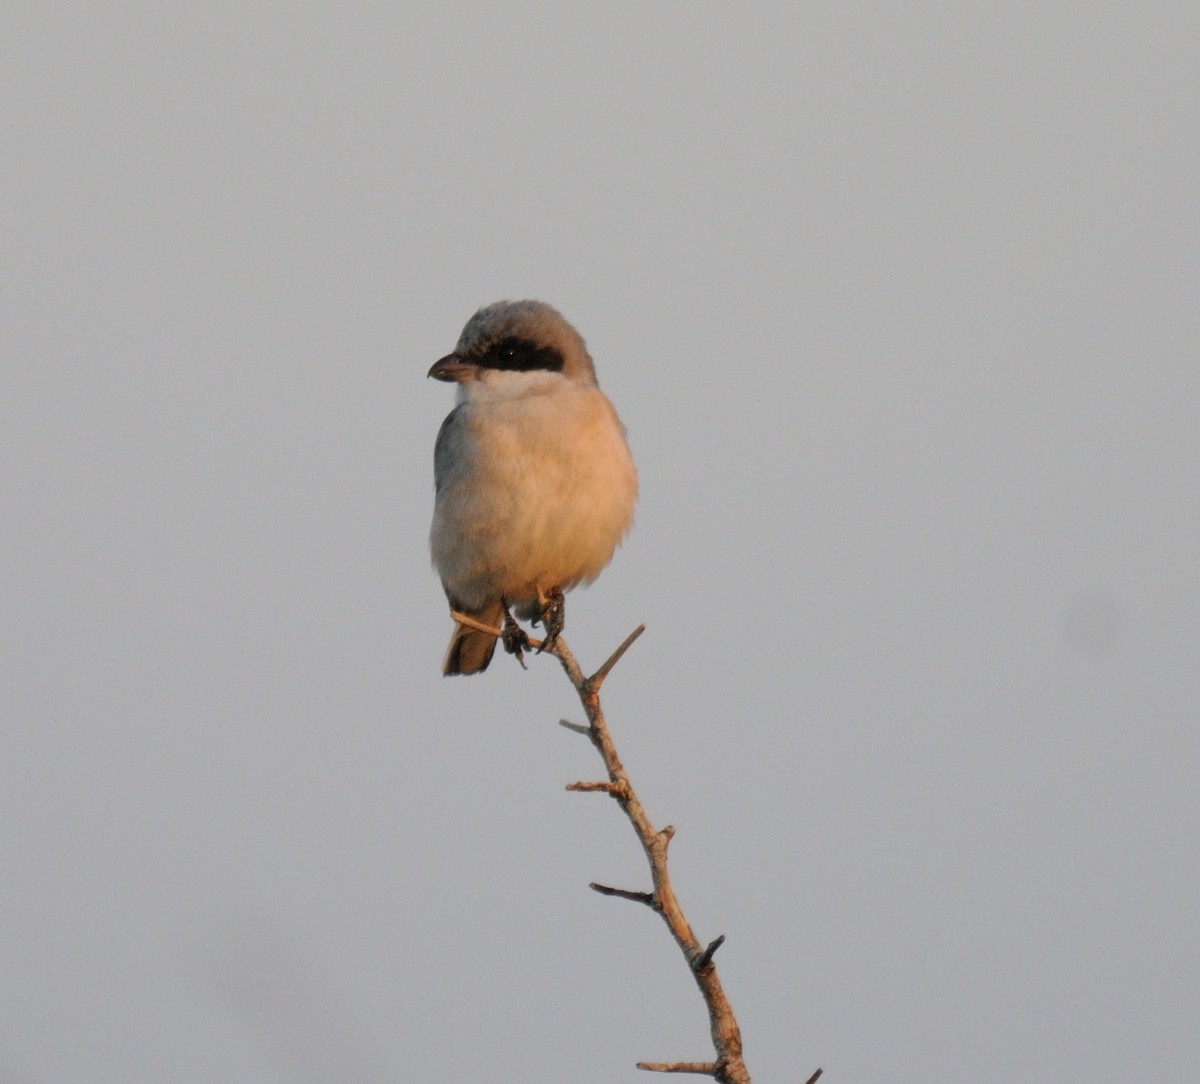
x,y
729,1068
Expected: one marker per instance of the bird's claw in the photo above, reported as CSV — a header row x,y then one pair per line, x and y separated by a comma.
x,y
514,638
553,618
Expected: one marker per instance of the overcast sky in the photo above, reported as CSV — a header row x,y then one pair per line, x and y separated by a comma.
x,y
901,307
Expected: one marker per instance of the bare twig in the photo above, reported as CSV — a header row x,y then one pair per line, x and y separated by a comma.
x,y
479,626
626,894
729,1068
815,1077
597,679
704,1068
615,789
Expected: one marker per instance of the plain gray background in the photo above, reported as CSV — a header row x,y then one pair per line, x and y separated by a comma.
x,y
900,306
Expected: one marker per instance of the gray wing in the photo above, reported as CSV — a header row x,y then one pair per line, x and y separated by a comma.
x,y
448,436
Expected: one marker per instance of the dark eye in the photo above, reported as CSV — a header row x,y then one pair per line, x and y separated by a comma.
x,y
522,356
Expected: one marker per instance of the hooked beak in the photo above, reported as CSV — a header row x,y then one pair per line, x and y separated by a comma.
x,y
453,369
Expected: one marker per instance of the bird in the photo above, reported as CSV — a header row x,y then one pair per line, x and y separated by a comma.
x,y
534,482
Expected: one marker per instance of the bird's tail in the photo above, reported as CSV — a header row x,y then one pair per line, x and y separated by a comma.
x,y
470,650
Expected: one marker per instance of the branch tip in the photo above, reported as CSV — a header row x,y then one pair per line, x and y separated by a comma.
x,y
813,1079
578,728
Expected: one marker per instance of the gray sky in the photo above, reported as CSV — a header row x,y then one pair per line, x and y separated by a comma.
x,y
900,307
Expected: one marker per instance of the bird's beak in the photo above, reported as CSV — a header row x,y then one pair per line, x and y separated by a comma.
x,y
453,368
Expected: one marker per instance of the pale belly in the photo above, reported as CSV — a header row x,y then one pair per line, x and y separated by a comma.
x,y
540,503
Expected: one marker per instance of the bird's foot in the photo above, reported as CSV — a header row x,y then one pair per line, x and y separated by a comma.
x,y
514,638
553,617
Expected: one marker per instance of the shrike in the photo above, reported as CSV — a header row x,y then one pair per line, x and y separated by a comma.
x,y
534,482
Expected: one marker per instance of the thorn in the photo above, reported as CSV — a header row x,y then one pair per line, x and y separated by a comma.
x,y
479,626
607,788
618,790
577,727
626,894
705,958
813,1079
471,623
704,1068
597,679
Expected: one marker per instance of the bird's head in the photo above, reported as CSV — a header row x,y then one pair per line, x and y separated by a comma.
x,y
517,336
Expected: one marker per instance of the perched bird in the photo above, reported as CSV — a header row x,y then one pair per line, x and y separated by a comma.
x,y
535,485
